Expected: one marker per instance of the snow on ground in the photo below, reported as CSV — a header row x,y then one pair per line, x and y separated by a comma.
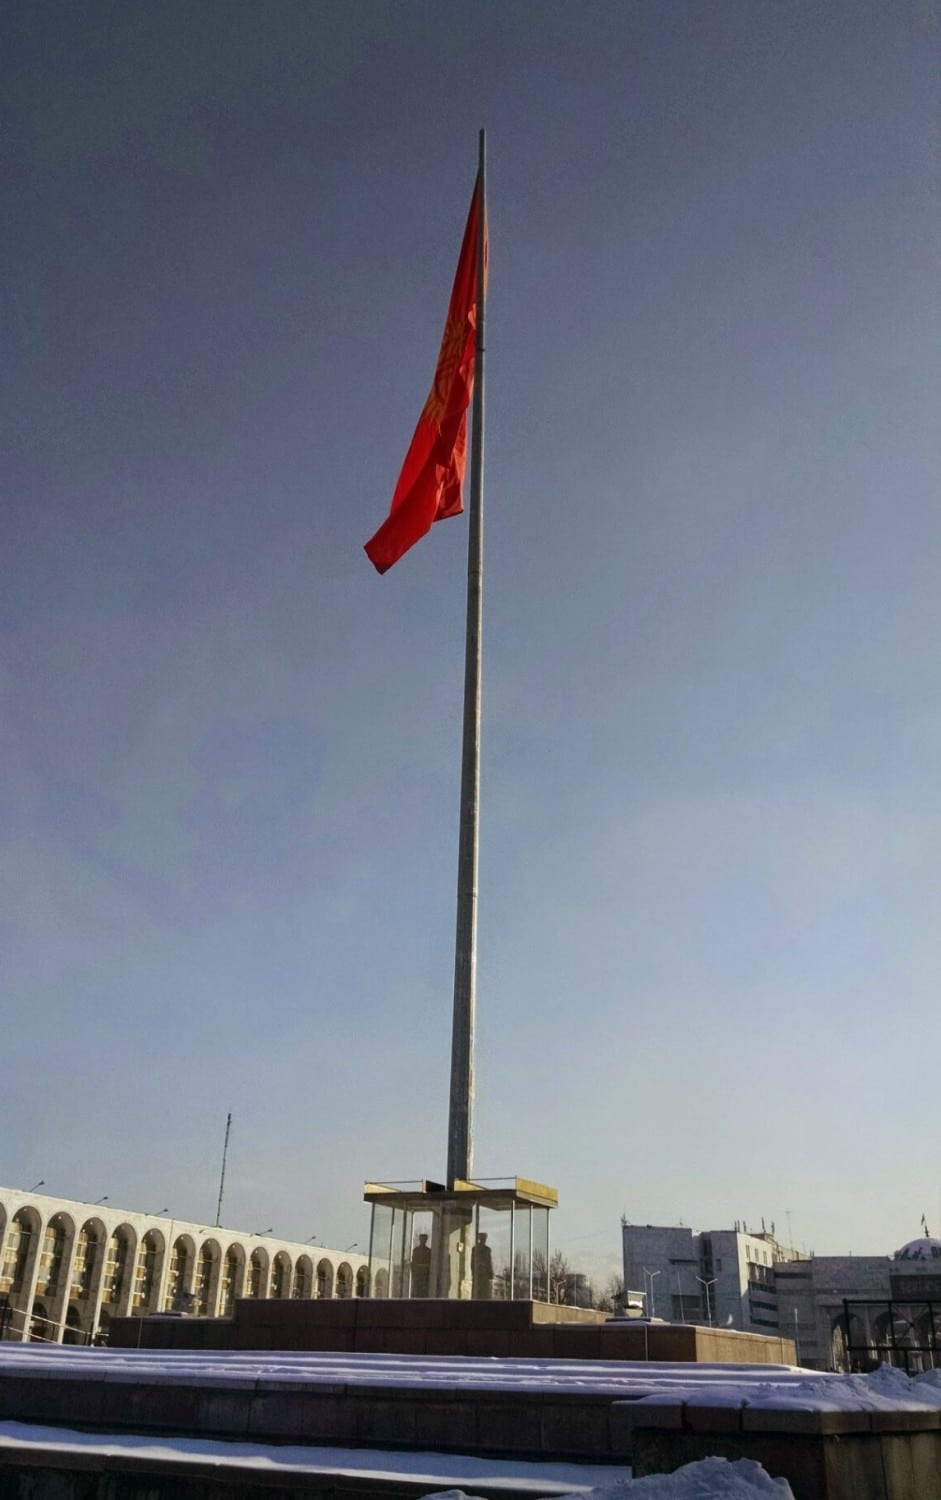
x,y
886,1389
709,1479
763,1386
760,1386
603,1377
530,1479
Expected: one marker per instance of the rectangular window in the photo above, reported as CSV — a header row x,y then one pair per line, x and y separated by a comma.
x,y
686,1308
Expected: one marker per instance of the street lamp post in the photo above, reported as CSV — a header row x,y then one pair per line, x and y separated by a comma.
x,y
707,1284
651,1308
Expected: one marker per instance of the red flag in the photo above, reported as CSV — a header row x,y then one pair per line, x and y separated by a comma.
x,y
429,486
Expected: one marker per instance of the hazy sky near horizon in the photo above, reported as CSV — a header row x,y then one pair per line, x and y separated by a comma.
x,y
229,752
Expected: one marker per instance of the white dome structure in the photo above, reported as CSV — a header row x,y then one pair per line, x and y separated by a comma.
x,y
921,1252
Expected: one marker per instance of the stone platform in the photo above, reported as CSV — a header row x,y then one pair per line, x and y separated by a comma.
x,y
824,1455
528,1330
446,1406
530,1409
798,1424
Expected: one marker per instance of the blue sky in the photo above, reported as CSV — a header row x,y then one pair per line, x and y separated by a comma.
x,y
229,752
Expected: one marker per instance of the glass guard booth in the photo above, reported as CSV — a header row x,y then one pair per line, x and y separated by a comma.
x,y
485,1240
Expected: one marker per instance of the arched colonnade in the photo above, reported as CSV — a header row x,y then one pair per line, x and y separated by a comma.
x,y
67,1269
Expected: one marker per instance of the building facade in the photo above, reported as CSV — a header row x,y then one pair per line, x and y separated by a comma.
x,y
67,1268
844,1312
856,1312
722,1276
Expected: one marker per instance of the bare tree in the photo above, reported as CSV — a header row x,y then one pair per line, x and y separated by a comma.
x,y
540,1279
560,1273
611,1299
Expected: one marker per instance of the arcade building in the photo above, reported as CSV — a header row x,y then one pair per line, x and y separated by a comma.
x,y
68,1268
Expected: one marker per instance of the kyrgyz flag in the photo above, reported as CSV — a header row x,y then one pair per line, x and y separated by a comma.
x,y
429,486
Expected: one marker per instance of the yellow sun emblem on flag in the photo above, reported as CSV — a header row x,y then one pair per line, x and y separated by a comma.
x,y
449,361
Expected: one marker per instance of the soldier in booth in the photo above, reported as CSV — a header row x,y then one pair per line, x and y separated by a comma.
x,y
482,1270
421,1267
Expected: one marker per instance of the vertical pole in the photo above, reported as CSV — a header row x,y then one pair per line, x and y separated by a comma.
x,y
531,1283
513,1249
797,1347
225,1148
460,1112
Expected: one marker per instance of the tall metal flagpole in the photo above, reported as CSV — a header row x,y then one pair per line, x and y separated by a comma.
x,y
460,1114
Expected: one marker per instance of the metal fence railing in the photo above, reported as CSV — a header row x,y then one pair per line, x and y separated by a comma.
x,y
37,1328
898,1332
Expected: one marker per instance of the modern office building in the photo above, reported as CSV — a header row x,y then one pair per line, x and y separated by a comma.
x,y
722,1276
67,1268
844,1312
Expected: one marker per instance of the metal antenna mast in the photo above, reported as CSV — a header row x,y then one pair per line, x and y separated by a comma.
x,y
225,1149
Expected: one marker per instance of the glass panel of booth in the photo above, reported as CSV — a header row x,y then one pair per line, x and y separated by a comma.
x,y
491,1256
381,1231
522,1251
420,1278
489,1244
540,1258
